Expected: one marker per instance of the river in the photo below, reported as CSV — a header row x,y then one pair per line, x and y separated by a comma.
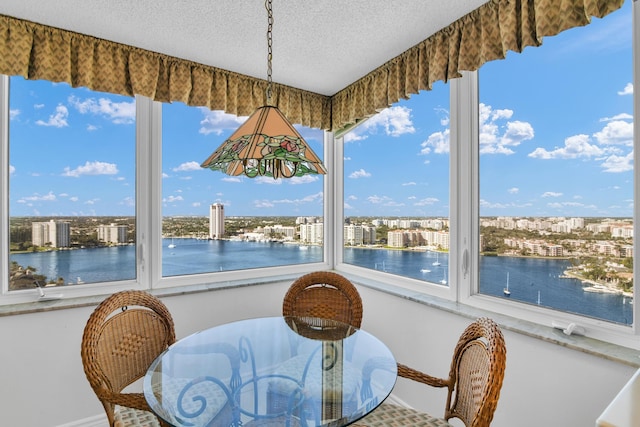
x,y
531,280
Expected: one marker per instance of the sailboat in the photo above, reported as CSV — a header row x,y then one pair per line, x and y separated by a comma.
x,y
538,297
444,278
436,262
506,290
171,245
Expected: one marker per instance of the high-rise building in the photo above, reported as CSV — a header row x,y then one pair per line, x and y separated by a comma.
x,y
216,221
112,233
56,234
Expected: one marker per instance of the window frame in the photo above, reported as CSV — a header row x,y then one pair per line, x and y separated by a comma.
x,y
148,218
464,218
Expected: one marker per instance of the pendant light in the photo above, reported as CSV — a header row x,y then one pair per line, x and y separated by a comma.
x,y
266,144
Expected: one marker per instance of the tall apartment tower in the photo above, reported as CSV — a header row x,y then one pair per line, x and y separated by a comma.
x,y
56,234
113,234
216,221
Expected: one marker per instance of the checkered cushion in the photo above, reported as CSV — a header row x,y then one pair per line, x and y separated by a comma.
x,y
130,417
313,386
388,415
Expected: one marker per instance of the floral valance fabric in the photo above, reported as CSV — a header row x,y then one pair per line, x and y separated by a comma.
x,y
36,51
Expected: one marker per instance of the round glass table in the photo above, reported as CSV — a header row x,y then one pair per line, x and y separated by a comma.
x,y
289,371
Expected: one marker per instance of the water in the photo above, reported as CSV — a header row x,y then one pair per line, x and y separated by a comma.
x,y
528,277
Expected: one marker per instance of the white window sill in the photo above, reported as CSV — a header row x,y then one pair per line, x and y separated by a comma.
x,y
605,350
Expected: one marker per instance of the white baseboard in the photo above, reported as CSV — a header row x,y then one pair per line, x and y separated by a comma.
x,y
395,400
95,421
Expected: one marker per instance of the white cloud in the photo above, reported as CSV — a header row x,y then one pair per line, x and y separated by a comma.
x,y
58,120
49,197
262,204
305,179
438,142
92,168
393,121
384,201
116,112
426,202
218,122
513,190
13,114
628,90
267,180
187,167
576,146
172,199
616,132
408,183
360,174
232,179
551,194
621,116
497,137
616,164
12,169
312,198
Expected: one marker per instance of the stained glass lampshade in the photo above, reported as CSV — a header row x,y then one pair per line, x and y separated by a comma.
x,y
265,145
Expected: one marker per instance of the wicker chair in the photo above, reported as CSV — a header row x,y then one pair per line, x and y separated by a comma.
x,y
321,294
324,294
474,383
123,335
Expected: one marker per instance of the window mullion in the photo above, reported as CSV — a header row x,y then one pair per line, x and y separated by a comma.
x,y
464,189
4,183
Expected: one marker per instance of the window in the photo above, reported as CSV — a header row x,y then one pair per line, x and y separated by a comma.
x,y
556,173
396,189
213,222
72,181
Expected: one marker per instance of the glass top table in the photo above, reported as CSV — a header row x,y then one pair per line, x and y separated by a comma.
x,y
289,371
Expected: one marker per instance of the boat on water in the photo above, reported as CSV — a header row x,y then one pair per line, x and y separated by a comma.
x,y
444,278
506,290
171,245
425,270
436,262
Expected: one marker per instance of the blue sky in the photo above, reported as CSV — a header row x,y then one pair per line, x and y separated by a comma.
x,y
556,139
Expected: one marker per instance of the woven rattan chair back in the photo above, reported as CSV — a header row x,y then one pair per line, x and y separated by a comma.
x,y
324,294
476,374
123,335
474,383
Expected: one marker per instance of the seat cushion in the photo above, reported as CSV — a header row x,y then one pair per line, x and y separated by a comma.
x,y
388,415
130,417
294,368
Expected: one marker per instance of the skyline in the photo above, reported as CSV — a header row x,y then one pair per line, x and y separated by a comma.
x,y
554,157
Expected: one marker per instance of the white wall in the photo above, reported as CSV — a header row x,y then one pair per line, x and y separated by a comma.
x,y
42,383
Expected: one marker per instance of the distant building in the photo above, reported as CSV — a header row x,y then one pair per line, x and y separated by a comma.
x,y
216,221
56,234
113,233
312,233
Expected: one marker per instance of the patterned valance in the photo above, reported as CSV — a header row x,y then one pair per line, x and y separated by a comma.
x,y
36,51
483,35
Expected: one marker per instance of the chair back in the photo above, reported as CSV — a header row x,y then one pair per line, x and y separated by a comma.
x,y
123,335
476,374
324,294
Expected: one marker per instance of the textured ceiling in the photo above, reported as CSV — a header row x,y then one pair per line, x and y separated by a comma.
x,y
320,45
